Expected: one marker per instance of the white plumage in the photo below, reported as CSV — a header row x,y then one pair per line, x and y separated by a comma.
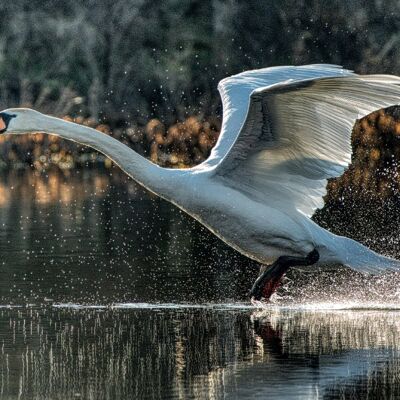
x,y
285,131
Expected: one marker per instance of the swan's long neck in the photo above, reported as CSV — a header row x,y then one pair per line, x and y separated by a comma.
x,y
157,179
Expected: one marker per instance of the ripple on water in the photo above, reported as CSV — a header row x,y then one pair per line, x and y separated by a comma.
x,y
204,350
157,306
315,306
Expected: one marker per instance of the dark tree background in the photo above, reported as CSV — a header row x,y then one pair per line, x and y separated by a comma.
x,y
131,60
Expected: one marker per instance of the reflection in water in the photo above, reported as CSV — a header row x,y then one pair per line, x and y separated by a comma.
x,y
31,187
94,237
197,353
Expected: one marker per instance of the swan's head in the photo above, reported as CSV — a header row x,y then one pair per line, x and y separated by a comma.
x,y
19,120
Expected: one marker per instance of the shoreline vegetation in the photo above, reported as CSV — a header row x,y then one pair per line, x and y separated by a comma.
x,y
373,174
374,171
181,145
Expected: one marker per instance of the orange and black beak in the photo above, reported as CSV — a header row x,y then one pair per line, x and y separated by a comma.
x,y
5,119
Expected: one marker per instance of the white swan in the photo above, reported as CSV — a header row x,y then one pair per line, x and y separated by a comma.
x,y
285,131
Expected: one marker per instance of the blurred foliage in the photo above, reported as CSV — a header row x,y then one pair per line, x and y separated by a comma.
x,y
375,167
181,145
133,68
133,60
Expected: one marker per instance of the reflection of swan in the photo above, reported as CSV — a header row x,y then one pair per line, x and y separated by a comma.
x,y
329,330
285,131
312,354
178,352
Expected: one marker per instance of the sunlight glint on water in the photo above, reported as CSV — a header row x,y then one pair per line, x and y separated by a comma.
x,y
201,353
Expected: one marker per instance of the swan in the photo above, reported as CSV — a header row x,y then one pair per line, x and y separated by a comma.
x,y
285,131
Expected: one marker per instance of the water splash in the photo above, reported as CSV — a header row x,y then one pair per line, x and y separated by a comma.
x,y
338,288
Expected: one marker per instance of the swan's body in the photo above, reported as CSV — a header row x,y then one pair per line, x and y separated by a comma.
x,y
285,131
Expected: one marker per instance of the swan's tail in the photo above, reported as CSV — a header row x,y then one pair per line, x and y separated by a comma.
x,y
358,257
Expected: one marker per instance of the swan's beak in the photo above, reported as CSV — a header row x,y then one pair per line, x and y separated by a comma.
x,y
5,119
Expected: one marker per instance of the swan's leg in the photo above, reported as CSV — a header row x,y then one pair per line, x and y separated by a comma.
x,y
271,277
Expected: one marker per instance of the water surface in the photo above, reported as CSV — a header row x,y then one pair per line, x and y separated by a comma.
x,y
107,292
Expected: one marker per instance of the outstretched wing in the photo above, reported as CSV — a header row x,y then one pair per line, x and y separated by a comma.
x,y
281,139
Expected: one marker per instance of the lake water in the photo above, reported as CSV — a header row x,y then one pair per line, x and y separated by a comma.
x,y
107,292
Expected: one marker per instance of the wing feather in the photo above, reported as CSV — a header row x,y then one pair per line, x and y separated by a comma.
x,y
281,141
236,94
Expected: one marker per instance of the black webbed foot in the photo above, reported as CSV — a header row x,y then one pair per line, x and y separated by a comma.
x,y
269,280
